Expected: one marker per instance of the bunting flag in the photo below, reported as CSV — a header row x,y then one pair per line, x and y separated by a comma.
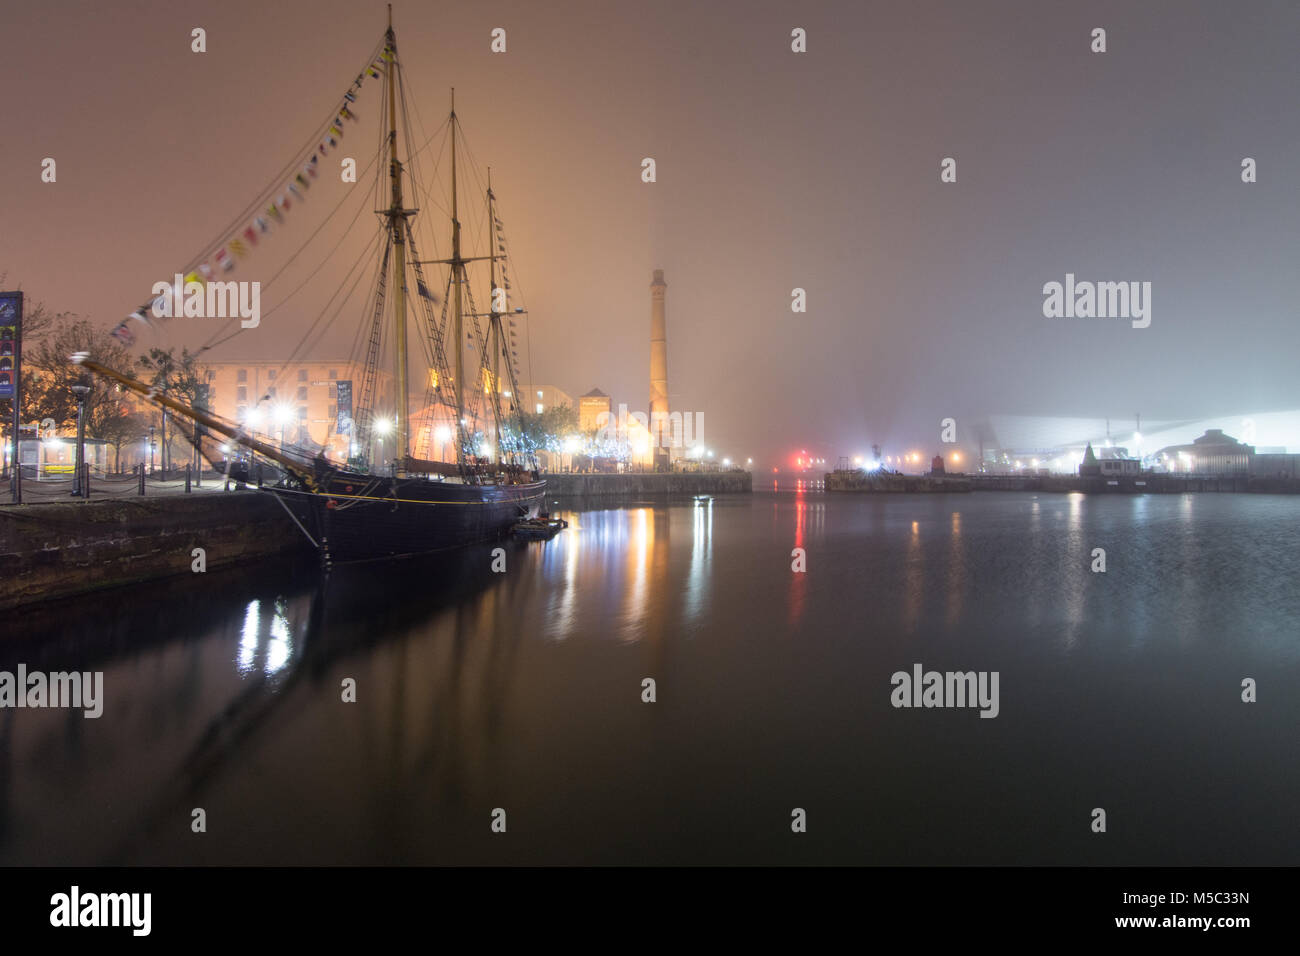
x,y
238,246
423,290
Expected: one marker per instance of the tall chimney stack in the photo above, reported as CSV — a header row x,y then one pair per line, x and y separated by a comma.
x,y
659,372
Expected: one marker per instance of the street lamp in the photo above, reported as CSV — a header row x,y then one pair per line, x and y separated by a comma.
x,y
81,391
151,447
383,426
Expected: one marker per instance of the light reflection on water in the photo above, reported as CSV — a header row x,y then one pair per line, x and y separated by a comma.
x,y
522,689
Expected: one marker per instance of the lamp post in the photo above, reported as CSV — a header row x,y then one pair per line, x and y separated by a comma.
x,y
81,391
151,445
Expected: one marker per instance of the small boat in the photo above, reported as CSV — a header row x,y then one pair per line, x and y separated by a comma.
x,y
540,528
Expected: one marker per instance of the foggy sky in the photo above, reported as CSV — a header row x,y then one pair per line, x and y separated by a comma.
x,y
775,171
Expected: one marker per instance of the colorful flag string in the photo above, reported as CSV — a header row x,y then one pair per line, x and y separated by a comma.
x,y
223,259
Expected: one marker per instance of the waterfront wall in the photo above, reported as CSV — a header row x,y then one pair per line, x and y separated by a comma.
x,y
896,484
668,483
55,550
1061,484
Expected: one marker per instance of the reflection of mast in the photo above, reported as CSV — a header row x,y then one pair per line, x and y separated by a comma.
x,y
397,223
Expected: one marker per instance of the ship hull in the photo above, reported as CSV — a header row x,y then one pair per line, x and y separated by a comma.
x,y
366,517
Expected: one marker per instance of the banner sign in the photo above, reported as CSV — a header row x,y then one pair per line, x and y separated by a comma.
x,y
344,399
11,317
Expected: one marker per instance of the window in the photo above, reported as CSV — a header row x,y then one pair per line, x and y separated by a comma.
x,y
212,375
302,413
539,393
271,392
302,375
540,409
302,393
270,374
241,375
334,411
334,373
241,393
241,412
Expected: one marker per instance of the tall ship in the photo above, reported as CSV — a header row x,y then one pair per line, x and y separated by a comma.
x,y
383,500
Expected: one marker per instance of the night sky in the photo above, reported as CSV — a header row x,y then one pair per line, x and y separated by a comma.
x,y
775,170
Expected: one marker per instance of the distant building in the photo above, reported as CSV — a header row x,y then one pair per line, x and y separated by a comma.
x,y
545,397
590,408
300,398
1214,453
658,411
1116,463
1275,465
1089,467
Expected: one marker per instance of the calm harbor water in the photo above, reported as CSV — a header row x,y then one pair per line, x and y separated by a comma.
x,y
522,691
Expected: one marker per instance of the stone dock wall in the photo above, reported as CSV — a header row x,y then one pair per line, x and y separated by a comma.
x,y
48,551
649,484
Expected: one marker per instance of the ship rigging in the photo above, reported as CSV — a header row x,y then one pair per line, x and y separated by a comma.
x,y
373,506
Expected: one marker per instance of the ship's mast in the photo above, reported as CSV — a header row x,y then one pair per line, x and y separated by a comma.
x,y
494,328
457,277
397,222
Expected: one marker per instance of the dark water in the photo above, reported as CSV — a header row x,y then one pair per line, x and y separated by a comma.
x,y
522,691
